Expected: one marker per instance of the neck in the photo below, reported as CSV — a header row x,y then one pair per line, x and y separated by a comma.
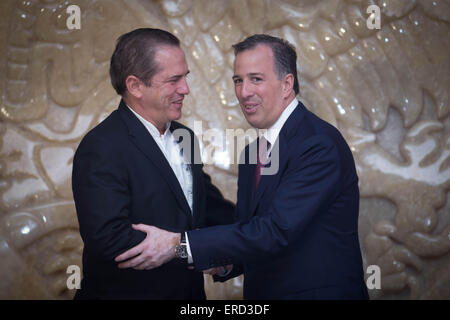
x,y
145,114
289,99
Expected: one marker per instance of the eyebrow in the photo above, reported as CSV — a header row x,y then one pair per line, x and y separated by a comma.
x,y
178,76
252,74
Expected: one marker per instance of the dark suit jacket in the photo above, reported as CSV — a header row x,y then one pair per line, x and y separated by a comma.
x,y
297,235
121,177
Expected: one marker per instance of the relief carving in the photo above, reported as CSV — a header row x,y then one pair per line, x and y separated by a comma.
x,y
386,90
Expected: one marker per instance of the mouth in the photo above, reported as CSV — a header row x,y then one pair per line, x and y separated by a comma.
x,y
250,108
178,103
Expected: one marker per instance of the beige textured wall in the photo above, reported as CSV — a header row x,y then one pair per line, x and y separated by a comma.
x,y
386,90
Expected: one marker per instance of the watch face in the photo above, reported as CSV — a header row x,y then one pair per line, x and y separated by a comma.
x,y
181,252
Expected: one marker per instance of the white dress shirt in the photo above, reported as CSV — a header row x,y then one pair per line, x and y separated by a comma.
x,y
171,150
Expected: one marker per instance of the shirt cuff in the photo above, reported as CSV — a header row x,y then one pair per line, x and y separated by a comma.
x,y
188,247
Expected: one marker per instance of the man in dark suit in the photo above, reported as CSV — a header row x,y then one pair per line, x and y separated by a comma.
x,y
130,172
296,230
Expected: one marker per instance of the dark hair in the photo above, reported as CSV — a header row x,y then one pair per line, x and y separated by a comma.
x,y
134,55
285,57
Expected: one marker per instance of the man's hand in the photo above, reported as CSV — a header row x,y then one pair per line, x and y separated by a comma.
x,y
220,271
156,249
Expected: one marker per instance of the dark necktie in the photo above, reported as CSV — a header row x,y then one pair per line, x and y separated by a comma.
x,y
263,146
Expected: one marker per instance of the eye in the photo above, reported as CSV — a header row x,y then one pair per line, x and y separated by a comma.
x,y
237,81
173,80
256,79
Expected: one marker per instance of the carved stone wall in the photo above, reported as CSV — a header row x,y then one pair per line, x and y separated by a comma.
x,y
386,90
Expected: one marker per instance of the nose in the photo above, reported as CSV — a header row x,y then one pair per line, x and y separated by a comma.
x,y
183,87
245,90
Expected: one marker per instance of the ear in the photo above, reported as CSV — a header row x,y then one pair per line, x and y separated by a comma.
x,y
134,86
288,85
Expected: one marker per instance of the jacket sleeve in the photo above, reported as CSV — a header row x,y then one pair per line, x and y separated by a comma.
x,y
102,198
308,183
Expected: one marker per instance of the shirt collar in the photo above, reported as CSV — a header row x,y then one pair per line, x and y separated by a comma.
x,y
150,126
273,132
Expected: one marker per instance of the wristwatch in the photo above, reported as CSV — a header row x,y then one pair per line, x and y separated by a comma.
x,y
181,248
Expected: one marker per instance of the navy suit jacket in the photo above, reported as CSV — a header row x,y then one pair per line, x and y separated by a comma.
x,y
121,177
296,237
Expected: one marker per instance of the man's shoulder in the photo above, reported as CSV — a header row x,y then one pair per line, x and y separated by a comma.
x,y
109,129
314,127
317,136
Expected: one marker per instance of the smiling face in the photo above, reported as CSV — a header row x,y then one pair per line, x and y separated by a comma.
x,y
262,96
161,100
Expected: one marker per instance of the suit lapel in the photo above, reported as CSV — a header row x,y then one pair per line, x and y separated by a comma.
x,y
246,191
196,178
147,145
268,182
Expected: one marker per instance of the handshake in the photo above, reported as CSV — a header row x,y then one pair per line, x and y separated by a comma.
x,y
157,248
